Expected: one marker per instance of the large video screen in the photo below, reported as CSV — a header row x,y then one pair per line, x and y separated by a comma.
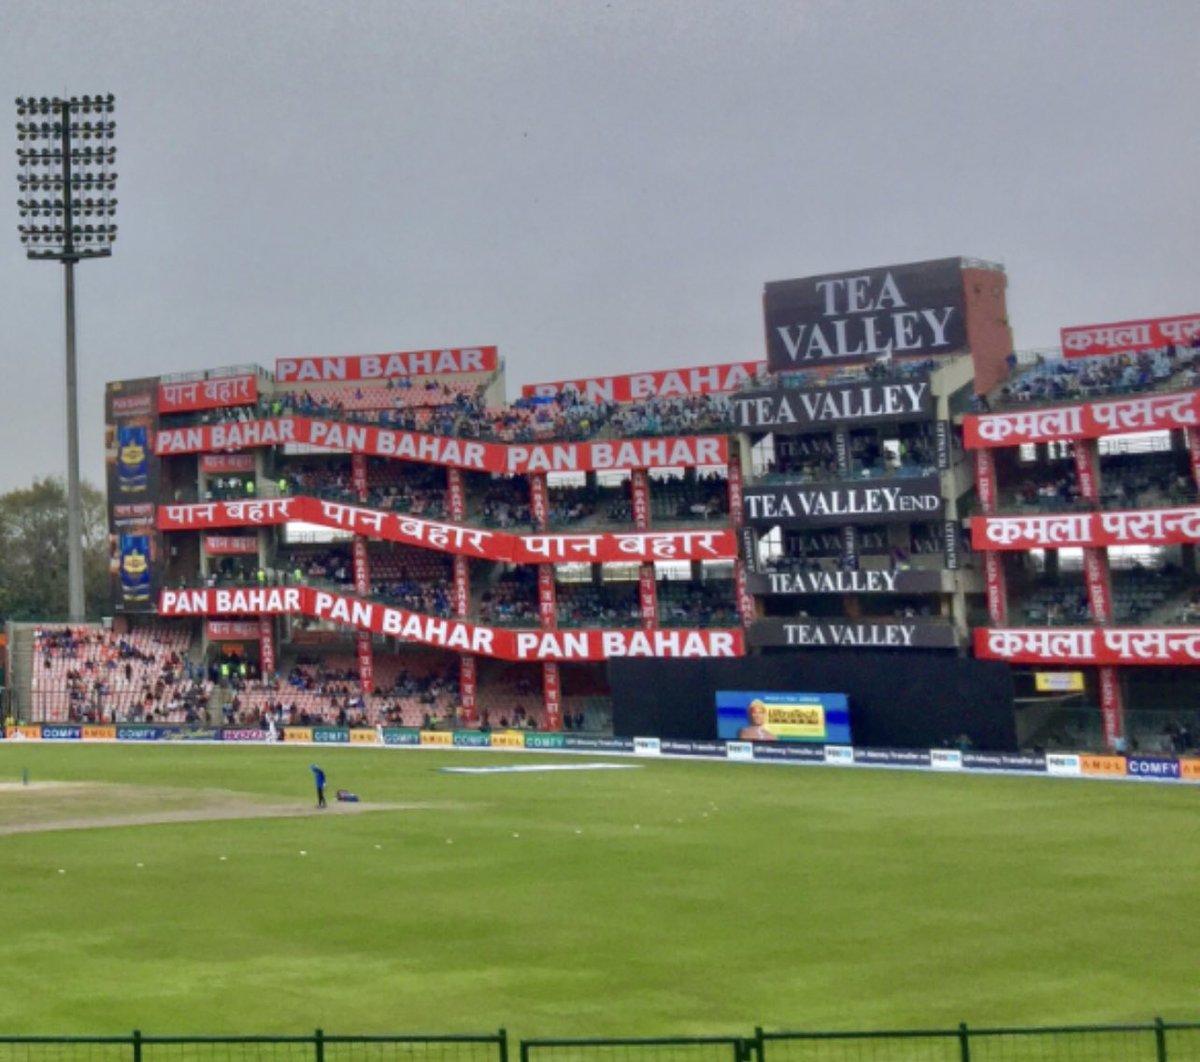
x,y
760,715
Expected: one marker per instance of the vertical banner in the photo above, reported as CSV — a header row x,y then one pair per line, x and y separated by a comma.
x,y
639,487
358,475
734,479
266,647
466,688
539,500
985,481
647,597
1112,715
1087,469
941,442
552,695
456,496
133,478
951,540
362,567
1192,437
745,601
997,597
365,663
1099,584
462,585
547,603
850,546
841,453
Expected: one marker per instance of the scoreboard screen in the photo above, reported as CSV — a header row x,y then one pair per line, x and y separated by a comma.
x,y
762,715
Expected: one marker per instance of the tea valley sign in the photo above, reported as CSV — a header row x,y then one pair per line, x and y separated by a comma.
x,y
791,410
892,501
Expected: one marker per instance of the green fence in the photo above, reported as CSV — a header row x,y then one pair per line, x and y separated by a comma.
x,y
318,1047
1159,1041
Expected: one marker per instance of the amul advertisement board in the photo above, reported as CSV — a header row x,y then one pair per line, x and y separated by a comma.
x,y
900,310
133,481
759,715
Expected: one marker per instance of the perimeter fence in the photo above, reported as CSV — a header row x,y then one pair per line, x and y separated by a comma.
x,y
1158,1041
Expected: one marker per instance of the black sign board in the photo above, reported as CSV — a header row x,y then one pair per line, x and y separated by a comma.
x,y
903,581
941,437
952,540
883,501
871,634
901,310
793,409
748,547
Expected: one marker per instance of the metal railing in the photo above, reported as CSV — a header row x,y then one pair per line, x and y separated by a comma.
x,y
1157,1041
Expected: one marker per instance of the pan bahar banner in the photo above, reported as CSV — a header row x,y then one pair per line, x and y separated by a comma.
x,y
644,546
913,309
458,635
133,479
504,458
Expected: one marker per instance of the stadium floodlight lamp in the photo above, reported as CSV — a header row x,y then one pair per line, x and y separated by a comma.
x,y
66,180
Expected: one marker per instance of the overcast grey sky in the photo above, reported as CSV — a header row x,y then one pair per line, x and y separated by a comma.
x,y
594,187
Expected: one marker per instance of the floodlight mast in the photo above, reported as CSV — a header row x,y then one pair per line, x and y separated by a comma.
x,y
68,242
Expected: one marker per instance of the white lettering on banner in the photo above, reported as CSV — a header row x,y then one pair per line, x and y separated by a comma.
x,y
178,394
240,434
337,436
1057,423
205,602
636,453
831,404
884,634
385,366
657,643
428,630
838,582
1056,530
552,645
1076,645
432,449
855,501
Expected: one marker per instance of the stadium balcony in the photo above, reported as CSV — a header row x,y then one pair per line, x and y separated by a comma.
x,y
1050,379
1140,596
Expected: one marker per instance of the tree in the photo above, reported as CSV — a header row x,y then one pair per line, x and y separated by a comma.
x,y
33,552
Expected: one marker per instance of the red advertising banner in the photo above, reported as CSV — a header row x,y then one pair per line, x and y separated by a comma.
x,y
1192,437
1092,420
647,597
552,695
639,486
1112,710
1099,585
716,544
735,483
547,597
996,589
362,567
670,383
745,600
220,464
232,631
539,500
502,458
185,396
456,634
985,480
1087,469
1127,527
1123,337
387,366
462,585
234,545
366,662
358,475
466,688
1090,645
266,648
456,495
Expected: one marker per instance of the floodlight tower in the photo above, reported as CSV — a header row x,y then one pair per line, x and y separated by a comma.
x,y
66,180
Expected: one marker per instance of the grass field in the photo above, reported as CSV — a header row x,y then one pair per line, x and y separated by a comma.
x,y
668,898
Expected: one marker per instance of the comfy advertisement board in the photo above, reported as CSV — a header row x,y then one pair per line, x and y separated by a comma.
x,y
913,309
133,479
794,410
807,718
